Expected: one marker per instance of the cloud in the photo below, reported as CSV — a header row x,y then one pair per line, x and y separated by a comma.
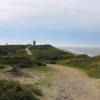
x,y
10,9
65,14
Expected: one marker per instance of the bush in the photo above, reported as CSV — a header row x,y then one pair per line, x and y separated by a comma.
x,y
3,52
94,70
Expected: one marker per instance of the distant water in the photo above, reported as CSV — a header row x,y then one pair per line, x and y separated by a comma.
x,y
91,51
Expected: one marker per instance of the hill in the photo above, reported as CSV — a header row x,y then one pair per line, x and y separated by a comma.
x,y
22,74
48,53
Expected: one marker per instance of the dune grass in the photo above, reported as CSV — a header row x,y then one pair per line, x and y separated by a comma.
x,y
11,90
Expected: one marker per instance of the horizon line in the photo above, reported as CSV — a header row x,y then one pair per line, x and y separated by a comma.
x,y
60,46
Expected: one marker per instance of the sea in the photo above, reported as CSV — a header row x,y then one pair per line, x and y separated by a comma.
x,y
90,51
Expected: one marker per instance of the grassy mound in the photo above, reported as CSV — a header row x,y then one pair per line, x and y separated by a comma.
x,y
47,53
10,90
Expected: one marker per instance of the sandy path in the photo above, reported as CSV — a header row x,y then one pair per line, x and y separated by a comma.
x,y
28,51
72,84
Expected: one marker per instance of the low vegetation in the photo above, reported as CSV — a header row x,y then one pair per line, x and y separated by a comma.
x,y
50,54
10,90
90,64
15,55
46,53
94,70
13,50
43,54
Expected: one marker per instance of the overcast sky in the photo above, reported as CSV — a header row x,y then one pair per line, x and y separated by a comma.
x,y
60,22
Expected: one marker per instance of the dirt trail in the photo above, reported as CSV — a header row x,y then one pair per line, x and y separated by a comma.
x,y
72,84
28,51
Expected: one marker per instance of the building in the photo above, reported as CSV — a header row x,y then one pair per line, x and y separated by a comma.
x,y
34,43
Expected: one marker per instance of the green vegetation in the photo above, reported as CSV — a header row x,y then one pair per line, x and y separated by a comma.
x,y
13,50
43,69
90,64
43,54
47,53
44,83
94,70
16,55
76,62
22,62
11,55
10,90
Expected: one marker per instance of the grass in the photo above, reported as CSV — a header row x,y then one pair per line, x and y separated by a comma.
x,y
18,53
42,54
11,90
48,82
37,91
90,65
94,70
13,50
46,53
43,69
47,79
75,62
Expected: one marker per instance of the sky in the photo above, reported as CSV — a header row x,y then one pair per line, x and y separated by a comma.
x,y
57,22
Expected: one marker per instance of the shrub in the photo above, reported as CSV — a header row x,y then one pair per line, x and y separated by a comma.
x,y
94,70
3,52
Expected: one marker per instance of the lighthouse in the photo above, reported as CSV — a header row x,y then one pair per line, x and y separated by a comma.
x,y
34,43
